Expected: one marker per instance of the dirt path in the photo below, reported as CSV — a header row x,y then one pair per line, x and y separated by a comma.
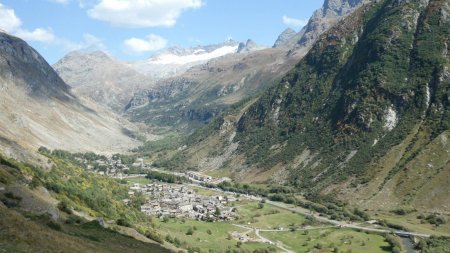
x,y
264,239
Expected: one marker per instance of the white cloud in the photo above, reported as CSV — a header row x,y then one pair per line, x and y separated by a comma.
x,y
12,24
39,34
142,13
8,19
294,22
138,46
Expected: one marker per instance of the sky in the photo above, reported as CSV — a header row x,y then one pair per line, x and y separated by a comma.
x,y
135,29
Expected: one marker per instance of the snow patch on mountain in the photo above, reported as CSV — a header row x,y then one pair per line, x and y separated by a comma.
x,y
198,55
177,60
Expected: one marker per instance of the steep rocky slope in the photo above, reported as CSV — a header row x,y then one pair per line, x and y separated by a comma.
x,y
38,108
100,77
365,114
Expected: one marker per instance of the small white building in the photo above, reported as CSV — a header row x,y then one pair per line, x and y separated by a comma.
x,y
185,207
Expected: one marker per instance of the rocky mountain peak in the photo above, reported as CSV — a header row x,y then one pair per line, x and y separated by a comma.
x,y
99,76
285,38
326,17
97,56
248,46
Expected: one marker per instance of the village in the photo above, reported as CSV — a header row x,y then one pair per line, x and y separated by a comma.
x,y
165,200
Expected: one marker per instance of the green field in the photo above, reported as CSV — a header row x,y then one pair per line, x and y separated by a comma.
x,y
268,217
218,240
328,239
206,192
139,180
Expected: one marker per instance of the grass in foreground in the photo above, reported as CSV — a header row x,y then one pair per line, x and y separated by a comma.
x,y
328,240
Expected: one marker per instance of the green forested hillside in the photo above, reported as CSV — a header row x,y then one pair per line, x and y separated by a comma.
x,y
375,85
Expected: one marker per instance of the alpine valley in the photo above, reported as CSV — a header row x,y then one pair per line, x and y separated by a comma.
x,y
334,139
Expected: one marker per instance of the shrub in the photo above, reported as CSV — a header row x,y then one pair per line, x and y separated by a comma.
x,y
73,219
53,225
150,234
64,207
123,222
190,231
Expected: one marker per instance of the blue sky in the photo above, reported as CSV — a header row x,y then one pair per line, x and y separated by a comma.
x,y
135,29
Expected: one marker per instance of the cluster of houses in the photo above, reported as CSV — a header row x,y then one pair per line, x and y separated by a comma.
x,y
112,167
163,200
196,176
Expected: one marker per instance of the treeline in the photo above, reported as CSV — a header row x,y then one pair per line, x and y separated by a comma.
x,y
286,194
434,244
89,157
66,155
165,177
252,190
